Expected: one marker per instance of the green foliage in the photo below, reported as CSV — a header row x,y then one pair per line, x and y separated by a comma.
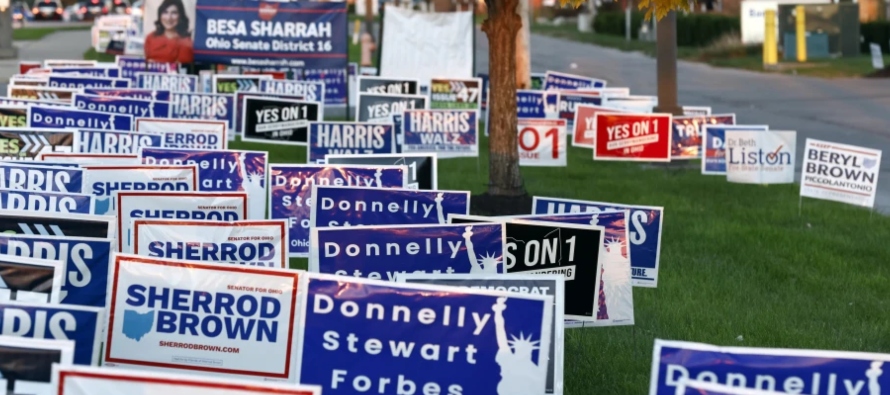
x,y
693,30
877,32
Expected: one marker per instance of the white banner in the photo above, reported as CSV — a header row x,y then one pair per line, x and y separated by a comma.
x,y
254,243
542,142
840,172
426,45
103,181
760,157
212,206
186,133
89,380
205,319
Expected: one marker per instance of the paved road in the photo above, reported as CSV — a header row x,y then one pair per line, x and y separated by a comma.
x,y
852,111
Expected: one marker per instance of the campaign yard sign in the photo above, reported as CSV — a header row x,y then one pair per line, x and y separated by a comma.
x,y
840,172
633,137
60,118
13,222
41,93
569,102
121,105
616,289
204,206
203,106
85,263
422,168
540,284
687,133
388,86
351,206
449,133
26,144
133,93
167,82
202,318
13,116
456,93
222,171
584,132
572,251
56,202
83,82
384,252
760,157
380,107
90,159
27,363
335,82
349,138
130,65
542,142
103,181
253,243
82,325
278,121
770,369
535,104
77,380
291,192
714,146
305,34
30,280
446,340
231,83
645,225
563,81
23,176
313,91
239,106
696,387
116,142
185,133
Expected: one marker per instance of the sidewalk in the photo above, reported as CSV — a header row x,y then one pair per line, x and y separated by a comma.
x,y
69,44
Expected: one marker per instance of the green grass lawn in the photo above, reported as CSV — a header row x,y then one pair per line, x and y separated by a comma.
x,y
736,261
748,59
37,33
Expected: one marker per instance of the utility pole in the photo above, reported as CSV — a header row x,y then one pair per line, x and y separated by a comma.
x,y
666,63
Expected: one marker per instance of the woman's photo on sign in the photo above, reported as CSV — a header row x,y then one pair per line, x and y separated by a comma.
x,y
168,27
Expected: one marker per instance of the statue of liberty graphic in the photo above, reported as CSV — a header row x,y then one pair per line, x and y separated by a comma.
x,y
111,121
487,264
151,109
377,177
616,278
519,374
874,388
252,183
439,211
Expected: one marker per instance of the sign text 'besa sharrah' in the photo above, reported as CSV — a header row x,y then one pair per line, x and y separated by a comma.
x,y
417,338
222,171
350,206
383,252
645,224
253,243
184,316
534,284
422,168
788,371
349,138
449,133
182,206
291,195
840,172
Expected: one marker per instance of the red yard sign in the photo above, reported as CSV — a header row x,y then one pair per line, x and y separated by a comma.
x,y
633,137
585,124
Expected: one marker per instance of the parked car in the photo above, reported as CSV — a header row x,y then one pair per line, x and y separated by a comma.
x,y
47,10
93,9
119,7
72,13
21,12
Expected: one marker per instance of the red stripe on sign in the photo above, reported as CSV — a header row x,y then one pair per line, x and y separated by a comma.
x,y
297,11
264,54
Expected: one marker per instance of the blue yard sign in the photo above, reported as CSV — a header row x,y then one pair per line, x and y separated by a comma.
x,y
555,80
644,231
133,93
327,138
296,34
350,206
382,252
291,194
122,105
535,104
713,149
212,106
62,118
76,203
449,133
82,325
772,369
37,177
446,340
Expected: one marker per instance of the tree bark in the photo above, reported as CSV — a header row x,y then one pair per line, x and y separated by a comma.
x,y
501,27
523,55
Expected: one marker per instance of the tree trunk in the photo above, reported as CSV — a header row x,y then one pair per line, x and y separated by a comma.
x,y
501,27
523,55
